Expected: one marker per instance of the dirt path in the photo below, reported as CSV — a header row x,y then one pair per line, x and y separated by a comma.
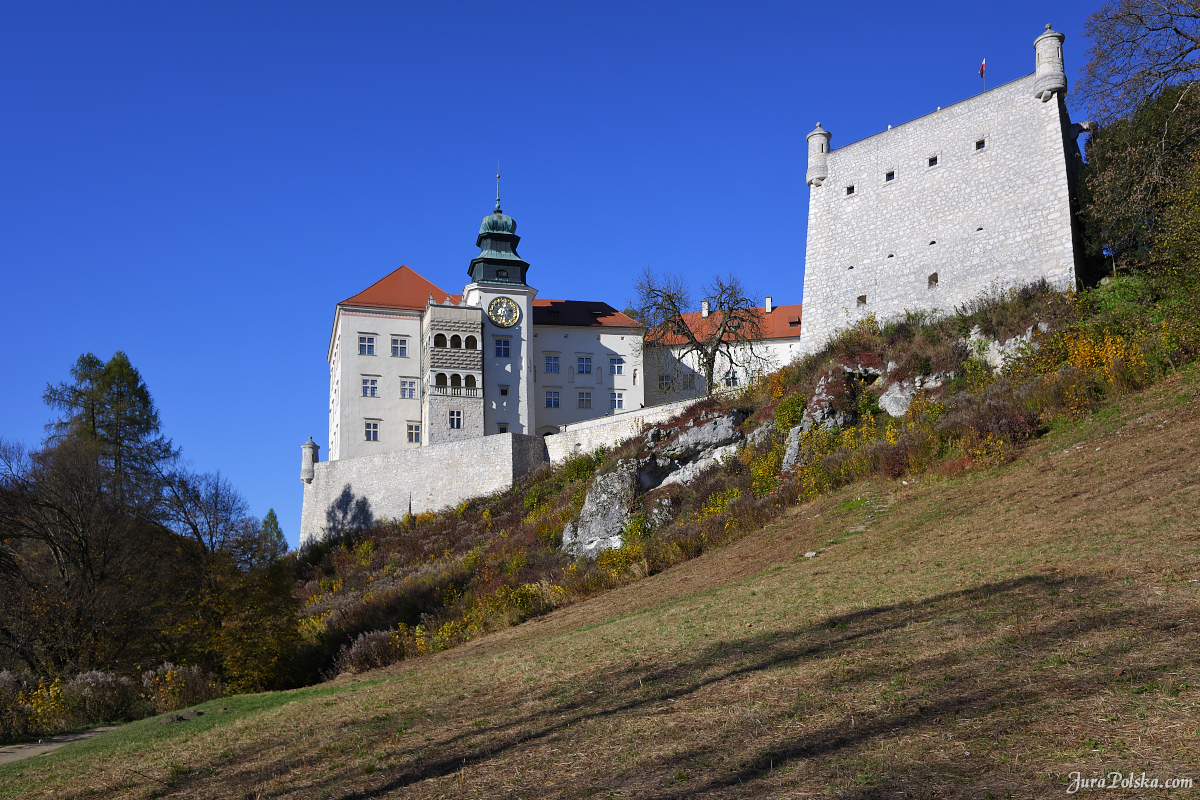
x,y
16,752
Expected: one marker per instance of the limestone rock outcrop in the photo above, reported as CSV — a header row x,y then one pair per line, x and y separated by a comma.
x,y
997,354
708,435
605,513
678,456
831,404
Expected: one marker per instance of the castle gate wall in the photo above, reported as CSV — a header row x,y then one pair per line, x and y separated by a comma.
x,y
992,216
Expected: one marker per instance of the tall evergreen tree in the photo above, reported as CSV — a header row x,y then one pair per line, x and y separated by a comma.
x,y
108,403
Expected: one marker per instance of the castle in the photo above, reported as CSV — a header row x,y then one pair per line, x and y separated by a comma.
x,y
435,398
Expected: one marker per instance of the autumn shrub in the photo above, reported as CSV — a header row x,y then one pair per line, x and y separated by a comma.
x,y
170,687
17,718
97,697
368,651
789,412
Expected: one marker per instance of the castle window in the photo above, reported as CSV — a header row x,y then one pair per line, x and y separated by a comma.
x,y
890,175
664,383
616,366
503,347
862,299
456,420
731,378
366,345
849,190
455,382
585,365
414,432
440,380
469,382
370,387
400,348
456,342
439,340
980,144
372,431
551,364
472,343
616,400
408,390
501,273
933,161
504,391
585,399
502,426
551,399
933,281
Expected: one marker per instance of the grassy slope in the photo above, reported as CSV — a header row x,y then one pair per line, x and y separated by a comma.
x,y
959,637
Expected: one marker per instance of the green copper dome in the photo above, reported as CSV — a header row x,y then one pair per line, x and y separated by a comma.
x,y
498,261
497,223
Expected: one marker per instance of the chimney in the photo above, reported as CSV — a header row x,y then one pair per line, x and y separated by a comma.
x,y
704,308
768,304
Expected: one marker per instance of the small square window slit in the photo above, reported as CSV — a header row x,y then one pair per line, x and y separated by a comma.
x,y
933,281
862,299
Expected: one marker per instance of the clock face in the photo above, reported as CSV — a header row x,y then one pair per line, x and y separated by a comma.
x,y
504,312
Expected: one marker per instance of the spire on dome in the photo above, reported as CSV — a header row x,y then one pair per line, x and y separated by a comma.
x,y
497,241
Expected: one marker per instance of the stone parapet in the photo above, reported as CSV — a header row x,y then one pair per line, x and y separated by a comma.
x,y
584,437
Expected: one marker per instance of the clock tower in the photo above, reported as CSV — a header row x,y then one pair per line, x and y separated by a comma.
x,y
498,287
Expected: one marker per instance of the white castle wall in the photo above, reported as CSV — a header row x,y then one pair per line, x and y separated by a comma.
x,y
584,437
1000,215
436,477
446,474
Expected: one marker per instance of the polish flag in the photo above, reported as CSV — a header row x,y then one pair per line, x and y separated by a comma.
x,y
981,67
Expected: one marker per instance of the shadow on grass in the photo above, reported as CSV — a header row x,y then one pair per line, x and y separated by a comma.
x,y
973,617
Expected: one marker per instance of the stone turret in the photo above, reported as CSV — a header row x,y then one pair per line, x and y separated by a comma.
x,y
309,455
818,151
1050,73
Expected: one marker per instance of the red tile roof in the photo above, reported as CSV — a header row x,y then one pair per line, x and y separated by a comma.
x,y
403,288
782,323
579,312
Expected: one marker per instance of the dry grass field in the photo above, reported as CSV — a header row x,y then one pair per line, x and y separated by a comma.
x,y
976,636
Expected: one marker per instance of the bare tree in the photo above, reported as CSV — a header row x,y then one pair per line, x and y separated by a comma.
x,y
712,343
204,507
1139,48
92,583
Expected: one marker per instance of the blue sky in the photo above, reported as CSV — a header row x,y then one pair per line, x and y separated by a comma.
x,y
199,183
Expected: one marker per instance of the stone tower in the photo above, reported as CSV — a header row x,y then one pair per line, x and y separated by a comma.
x,y
928,215
498,286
